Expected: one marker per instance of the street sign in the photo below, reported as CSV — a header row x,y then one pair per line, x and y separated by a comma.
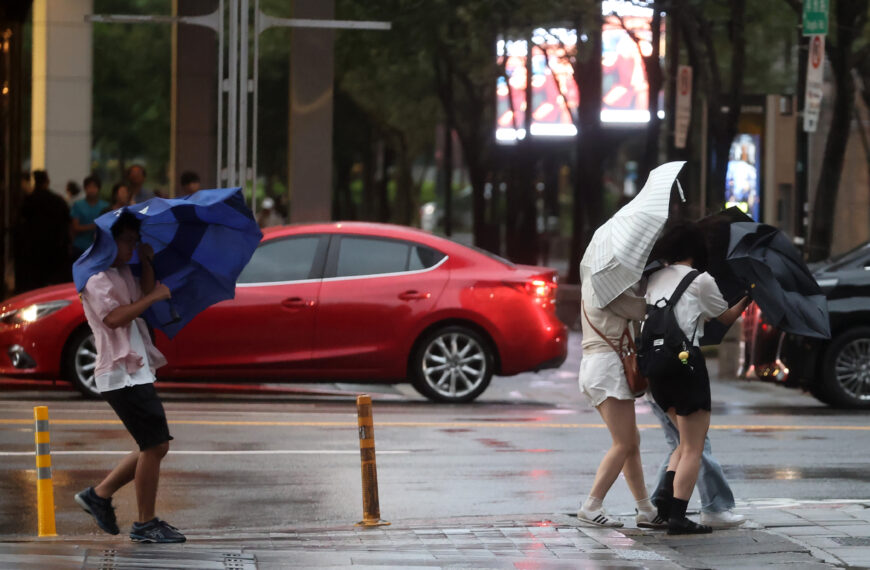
x,y
684,106
815,17
815,83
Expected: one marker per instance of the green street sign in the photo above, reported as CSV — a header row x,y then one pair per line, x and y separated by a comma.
x,y
815,17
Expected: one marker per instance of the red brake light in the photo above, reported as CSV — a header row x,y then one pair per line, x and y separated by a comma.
x,y
543,290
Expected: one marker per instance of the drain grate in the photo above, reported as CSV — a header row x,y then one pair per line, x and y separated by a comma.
x,y
852,540
106,560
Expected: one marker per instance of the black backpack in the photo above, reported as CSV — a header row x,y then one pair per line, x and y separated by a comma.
x,y
661,338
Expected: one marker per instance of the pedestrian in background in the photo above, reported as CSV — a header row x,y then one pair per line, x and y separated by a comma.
x,y
602,381
42,237
113,301
189,183
84,212
267,216
136,183
73,192
686,396
120,197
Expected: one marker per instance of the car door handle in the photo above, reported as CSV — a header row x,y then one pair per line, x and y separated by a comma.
x,y
413,295
296,303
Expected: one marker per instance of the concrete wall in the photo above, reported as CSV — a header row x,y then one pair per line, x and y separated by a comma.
x,y
62,90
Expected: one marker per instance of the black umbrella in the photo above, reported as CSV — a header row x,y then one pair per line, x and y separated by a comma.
x,y
769,266
717,231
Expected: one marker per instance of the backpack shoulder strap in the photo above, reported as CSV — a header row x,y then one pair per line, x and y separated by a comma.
x,y
681,288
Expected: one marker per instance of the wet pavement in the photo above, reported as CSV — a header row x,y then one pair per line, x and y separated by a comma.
x,y
273,480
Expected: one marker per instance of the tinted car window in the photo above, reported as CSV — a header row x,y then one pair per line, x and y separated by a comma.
x,y
281,260
423,257
363,256
858,257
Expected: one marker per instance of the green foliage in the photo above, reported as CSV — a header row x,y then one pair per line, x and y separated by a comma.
x,y
131,104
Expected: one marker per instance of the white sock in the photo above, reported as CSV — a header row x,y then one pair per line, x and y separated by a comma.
x,y
592,504
645,505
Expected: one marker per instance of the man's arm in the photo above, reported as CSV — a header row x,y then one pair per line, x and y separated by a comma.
x,y
147,280
125,314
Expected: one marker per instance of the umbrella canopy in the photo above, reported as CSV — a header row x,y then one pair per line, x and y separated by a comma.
x,y
717,233
201,244
618,251
778,280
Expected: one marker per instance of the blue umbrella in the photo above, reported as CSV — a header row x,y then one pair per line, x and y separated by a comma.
x,y
201,244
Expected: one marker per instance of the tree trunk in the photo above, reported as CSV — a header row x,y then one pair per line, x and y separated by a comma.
x,y
840,55
588,171
655,79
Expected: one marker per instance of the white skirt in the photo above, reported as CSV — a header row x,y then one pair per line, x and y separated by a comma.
x,y
602,377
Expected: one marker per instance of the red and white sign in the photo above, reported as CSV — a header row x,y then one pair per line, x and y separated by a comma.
x,y
815,83
684,106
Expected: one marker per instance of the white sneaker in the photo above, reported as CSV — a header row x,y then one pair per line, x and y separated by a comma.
x,y
725,519
650,519
597,518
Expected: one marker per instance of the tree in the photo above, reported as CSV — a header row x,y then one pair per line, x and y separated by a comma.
x,y
851,17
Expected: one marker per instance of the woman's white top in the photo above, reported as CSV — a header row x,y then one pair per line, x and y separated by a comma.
x,y
701,302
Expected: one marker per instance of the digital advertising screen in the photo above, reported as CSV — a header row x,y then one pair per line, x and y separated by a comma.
x,y
554,92
625,90
742,180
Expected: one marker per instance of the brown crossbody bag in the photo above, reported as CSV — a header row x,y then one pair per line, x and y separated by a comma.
x,y
627,352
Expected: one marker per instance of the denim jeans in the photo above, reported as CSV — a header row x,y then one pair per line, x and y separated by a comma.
x,y
716,495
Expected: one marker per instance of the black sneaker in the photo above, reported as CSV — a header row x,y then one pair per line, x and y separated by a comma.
x,y
155,530
99,508
687,526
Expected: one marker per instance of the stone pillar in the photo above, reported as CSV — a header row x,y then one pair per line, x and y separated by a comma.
x,y
62,90
196,96
311,96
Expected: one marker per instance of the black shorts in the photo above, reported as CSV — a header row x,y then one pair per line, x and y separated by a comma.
x,y
687,390
141,411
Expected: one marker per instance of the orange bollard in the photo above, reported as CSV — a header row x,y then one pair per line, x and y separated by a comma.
x,y
371,506
44,488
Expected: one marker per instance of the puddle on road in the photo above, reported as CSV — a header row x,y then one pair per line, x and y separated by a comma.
x,y
793,473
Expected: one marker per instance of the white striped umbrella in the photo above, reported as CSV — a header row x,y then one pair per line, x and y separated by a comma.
x,y
618,252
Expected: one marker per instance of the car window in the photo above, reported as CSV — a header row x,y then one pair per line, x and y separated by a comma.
x,y
364,256
423,257
858,257
281,260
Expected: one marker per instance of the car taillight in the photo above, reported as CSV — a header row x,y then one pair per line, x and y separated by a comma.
x,y
543,291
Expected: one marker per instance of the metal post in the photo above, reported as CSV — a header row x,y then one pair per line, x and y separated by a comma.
x,y
255,96
220,91
233,88
243,96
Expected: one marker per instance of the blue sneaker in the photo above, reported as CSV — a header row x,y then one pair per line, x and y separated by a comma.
x,y
99,508
157,531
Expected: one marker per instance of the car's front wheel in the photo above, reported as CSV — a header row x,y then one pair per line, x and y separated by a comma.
x,y
846,370
79,361
453,364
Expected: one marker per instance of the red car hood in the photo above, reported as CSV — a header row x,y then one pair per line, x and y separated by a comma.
x,y
51,293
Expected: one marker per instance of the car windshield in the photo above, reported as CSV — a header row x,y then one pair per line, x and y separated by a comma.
x,y
849,257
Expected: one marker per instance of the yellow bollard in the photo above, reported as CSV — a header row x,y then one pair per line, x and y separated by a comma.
x,y
371,507
44,489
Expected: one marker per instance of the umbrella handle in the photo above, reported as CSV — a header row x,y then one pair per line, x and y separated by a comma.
x,y
173,314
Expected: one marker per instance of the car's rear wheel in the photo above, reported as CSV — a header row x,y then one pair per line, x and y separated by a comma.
x,y
846,370
452,364
79,361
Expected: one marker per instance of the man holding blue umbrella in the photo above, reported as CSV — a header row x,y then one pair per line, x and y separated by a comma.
x,y
196,246
126,362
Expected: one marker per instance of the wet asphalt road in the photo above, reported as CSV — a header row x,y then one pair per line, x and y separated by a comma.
x,y
530,444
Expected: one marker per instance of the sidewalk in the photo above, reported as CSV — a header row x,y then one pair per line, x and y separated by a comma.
x,y
802,536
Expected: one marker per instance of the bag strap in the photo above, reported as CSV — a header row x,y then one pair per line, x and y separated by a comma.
x,y
681,288
678,292
613,345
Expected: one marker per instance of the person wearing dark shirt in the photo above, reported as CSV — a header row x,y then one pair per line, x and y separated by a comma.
x,y
42,238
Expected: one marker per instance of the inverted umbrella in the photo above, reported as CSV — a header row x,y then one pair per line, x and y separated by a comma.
x,y
201,244
778,280
618,251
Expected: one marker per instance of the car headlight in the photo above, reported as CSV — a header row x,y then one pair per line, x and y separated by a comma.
x,y
32,313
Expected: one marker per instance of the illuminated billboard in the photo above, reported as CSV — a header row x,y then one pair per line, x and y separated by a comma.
x,y
555,96
554,92
742,184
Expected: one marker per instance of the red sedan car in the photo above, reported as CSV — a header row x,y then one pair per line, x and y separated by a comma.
x,y
338,301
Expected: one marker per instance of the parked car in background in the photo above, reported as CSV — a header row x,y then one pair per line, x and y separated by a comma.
x,y
327,302
836,371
